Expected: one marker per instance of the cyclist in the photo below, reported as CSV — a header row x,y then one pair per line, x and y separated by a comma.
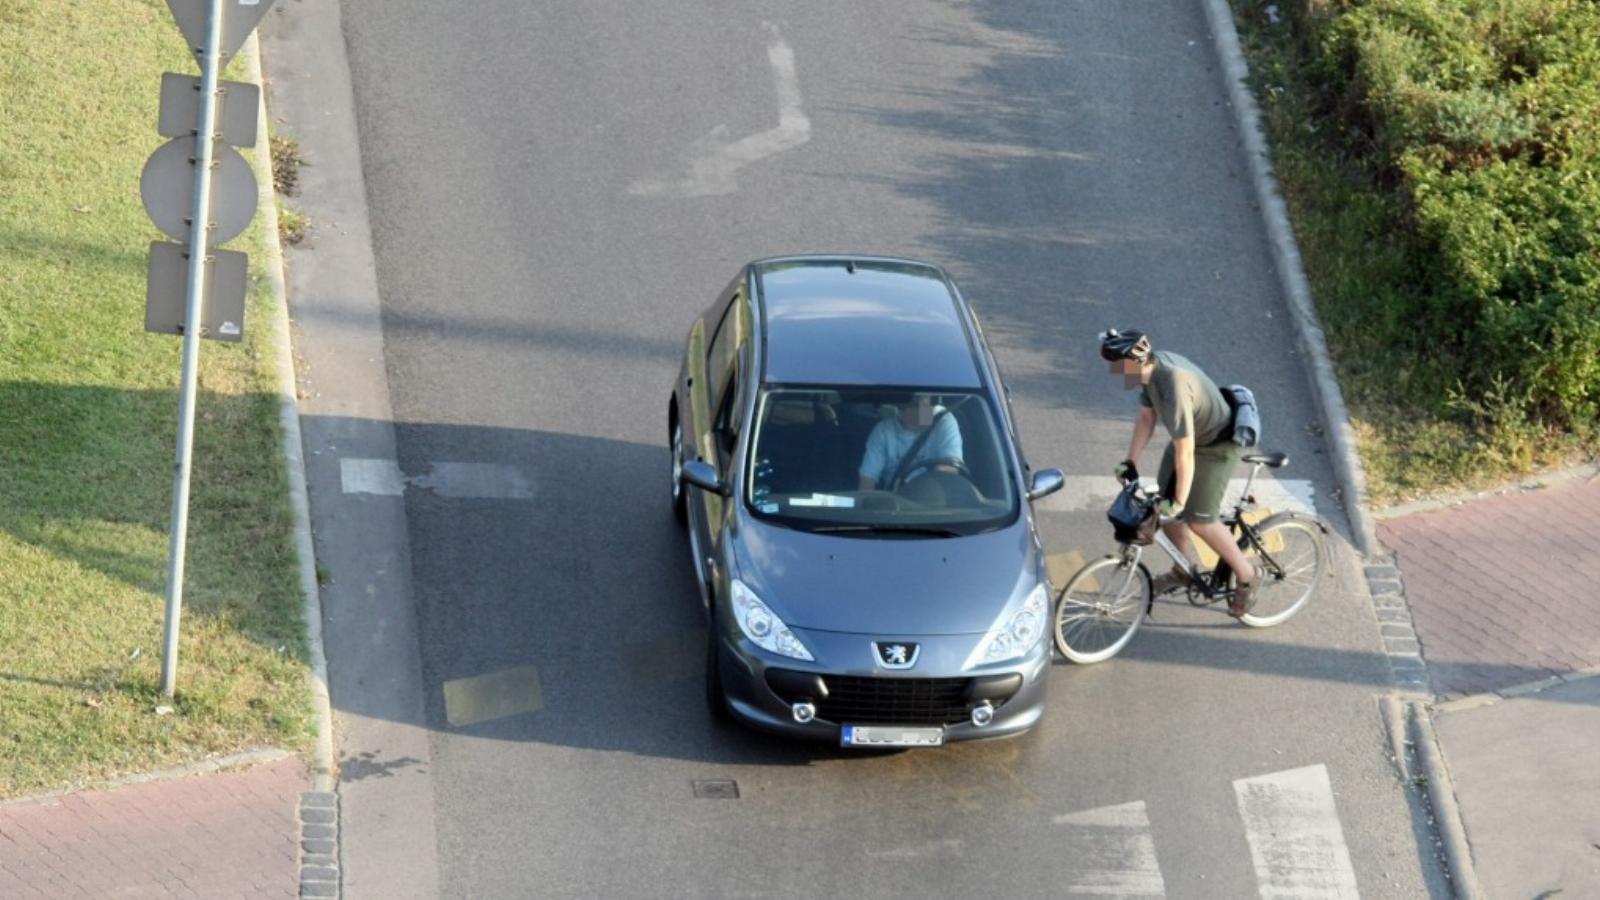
x,y
1197,463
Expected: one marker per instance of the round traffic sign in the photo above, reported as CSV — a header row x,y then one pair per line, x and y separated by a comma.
x,y
167,186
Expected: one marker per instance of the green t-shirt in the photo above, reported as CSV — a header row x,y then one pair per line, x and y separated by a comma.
x,y
1185,400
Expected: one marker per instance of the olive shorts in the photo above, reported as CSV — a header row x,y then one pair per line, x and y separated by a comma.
x,y
1213,466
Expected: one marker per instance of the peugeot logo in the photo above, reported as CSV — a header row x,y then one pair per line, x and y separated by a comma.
x,y
896,654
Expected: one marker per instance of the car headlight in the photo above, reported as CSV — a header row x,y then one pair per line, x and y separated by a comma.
x,y
760,625
1016,633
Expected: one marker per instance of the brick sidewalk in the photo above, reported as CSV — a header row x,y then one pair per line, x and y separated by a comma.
x,y
226,834
1505,589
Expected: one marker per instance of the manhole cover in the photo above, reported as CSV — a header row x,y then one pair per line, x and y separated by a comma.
x,y
718,789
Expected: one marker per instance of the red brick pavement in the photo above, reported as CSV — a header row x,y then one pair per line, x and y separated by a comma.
x,y
1505,589
226,834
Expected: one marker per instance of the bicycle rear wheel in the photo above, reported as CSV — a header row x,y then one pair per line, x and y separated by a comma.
x,y
1100,609
1294,553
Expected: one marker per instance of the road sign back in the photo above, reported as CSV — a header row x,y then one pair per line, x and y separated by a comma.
x,y
222,303
239,18
238,105
167,186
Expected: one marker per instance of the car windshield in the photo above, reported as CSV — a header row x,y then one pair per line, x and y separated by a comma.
x,y
856,460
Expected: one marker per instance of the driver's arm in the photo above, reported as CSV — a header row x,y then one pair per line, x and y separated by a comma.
x,y
872,460
945,444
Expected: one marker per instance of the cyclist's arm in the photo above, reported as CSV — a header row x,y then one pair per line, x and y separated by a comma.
x,y
1183,469
1144,425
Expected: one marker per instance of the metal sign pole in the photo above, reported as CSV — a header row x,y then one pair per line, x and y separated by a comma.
x,y
199,232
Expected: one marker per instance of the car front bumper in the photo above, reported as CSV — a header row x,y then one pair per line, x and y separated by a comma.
x,y
762,688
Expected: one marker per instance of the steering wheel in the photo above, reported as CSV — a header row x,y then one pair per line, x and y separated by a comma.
x,y
928,464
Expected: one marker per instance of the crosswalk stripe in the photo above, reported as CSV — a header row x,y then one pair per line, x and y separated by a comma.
x,y
1296,842
462,480
1113,853
1094,493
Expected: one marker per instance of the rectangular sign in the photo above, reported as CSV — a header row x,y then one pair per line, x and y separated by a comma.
x,y
237,107
166,292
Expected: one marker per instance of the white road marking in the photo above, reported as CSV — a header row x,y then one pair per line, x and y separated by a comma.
x,y
371,476
944,847
495,695
1295,839
476,481
1094,493
714,161
1110,852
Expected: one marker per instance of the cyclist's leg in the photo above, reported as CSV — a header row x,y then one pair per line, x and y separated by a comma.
x,y
1176,532
1213,466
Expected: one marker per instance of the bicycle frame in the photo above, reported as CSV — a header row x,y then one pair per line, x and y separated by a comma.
x,y
1214,585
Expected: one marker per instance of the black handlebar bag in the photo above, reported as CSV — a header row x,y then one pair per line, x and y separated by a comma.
x,y
1133,518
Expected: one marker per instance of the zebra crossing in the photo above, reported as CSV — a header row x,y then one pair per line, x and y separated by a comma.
x,y
1291,823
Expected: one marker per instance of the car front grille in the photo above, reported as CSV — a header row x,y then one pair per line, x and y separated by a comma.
x,y
887,701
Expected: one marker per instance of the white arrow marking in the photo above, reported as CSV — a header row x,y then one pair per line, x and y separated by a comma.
x,y
1295,840
1110,853
714,161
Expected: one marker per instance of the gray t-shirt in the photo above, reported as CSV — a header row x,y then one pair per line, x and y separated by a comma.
x,y
1185,400
890,441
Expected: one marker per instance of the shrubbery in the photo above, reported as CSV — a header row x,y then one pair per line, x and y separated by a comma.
x,y
1479,120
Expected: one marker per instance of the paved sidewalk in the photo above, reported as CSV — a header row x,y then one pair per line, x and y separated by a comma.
x,y
223,834
1504,595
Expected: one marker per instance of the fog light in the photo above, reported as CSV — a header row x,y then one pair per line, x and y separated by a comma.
x,y
803,712
983,714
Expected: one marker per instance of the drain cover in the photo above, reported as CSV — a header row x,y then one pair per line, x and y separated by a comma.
x,y
716,789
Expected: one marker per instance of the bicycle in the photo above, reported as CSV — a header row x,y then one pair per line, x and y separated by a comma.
x,y
1103,605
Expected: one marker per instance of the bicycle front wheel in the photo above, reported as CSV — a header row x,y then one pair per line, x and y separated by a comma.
x,y
1294,553
1100,609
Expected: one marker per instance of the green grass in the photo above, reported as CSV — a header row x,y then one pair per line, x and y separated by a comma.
x,y
88,413
1419,432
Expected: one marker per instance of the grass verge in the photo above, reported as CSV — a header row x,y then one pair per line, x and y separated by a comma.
x,y
88,412
1420,431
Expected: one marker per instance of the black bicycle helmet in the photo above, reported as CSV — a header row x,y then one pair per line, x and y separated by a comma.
x,y
1115,345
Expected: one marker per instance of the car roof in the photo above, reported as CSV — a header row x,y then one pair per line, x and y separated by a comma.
x,y
862,320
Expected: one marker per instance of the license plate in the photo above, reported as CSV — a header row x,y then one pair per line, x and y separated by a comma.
x,y
881,736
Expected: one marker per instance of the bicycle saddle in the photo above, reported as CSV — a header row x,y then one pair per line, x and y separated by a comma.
x,y
1270,460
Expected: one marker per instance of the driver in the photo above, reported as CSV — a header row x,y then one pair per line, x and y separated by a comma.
x,y
920,424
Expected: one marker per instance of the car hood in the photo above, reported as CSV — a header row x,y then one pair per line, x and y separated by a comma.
x,y
891,586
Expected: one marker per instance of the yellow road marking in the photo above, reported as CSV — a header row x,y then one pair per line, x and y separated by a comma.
x,y
496,695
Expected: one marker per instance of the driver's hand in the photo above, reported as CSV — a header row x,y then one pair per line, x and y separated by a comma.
x,y
1126,471
1169,508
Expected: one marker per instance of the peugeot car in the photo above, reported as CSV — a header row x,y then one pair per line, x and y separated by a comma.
x,y
857,505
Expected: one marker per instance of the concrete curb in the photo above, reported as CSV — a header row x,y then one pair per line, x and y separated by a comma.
x,y
1586,472
1446,814
243,760
294,461
1526,689
1291,274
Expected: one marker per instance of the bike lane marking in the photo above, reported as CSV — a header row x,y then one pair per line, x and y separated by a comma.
x,y
1113,852
1296,842
459,480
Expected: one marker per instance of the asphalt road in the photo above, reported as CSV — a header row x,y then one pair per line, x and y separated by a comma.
x,y
553,191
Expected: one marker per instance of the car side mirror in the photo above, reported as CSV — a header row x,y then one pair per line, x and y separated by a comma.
x,y
701,474
1045,482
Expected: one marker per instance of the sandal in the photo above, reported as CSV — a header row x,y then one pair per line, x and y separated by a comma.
x,y
1244,595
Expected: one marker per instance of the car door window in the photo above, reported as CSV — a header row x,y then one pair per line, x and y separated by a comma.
x,y
725,425
720,353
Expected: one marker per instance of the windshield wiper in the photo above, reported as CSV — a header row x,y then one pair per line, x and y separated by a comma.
x,y
928,530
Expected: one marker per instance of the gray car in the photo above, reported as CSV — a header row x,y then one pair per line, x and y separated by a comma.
x,y
845,461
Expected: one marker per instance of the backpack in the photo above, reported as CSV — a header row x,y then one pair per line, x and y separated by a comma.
x,y
1245,428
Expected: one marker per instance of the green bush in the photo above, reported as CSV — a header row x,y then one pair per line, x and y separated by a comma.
x,y
1482,117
